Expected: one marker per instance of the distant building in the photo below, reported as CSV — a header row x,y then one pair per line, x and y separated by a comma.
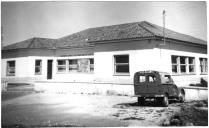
x,y
107,56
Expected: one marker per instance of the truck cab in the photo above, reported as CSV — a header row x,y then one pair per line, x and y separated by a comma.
x,y
156,85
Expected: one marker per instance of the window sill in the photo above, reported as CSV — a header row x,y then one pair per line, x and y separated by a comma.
x,y
61,73
118,74
203,74
75,72
183,74
38,74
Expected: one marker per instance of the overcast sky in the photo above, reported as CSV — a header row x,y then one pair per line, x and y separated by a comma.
x,y
23,20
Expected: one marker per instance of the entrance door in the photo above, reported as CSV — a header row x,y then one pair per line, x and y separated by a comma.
x,y
49,69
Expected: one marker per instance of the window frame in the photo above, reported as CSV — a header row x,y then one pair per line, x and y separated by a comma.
x,y
91,65
67,66
179,65
116,64
9,68
40,67
73,66
205,66
63,65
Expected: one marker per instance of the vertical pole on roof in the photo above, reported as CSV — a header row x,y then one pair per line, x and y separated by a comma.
x,y
163,27
2,37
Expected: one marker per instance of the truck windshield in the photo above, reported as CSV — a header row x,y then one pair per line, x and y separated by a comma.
x,y
151,78
167,79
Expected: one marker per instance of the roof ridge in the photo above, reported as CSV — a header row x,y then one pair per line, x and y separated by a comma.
x,y
146,29
32,41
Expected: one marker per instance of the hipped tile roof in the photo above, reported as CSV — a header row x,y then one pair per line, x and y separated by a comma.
x,y
35,42
84,38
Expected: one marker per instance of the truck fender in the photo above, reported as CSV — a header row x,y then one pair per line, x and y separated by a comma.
x,y
181,90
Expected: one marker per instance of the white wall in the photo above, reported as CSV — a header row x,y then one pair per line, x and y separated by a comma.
x,y
180,80
24,69
138,60
145,59
22,64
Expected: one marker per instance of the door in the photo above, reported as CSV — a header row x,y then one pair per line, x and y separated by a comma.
x,y
49,69
140,84
152,84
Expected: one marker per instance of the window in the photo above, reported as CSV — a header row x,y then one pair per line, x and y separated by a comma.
x,y
151,78
167,79
38,67
142,79
91,65
174,60
191,64
61,66
84,65
183,65
10,68
73,65
203,65
121,64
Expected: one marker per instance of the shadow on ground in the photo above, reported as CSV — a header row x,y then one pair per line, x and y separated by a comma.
x,y
146,104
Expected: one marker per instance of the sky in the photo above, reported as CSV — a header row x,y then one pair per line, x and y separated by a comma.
x,y
24,20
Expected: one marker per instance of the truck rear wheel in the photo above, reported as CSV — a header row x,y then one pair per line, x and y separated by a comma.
x,y
165,101
141,100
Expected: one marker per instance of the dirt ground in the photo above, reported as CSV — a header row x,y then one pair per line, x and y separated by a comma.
x,y
63,110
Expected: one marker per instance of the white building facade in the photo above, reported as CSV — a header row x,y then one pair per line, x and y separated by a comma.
x,y
108,63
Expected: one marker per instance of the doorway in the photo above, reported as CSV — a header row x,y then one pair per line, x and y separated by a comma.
x,y
49,69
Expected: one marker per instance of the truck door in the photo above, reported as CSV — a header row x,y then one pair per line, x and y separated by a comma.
x,y
152,84
140,84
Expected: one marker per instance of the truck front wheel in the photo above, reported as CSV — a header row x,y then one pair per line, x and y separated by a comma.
x,y
141,100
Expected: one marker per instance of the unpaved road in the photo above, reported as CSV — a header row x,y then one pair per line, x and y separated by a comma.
x,y
45,109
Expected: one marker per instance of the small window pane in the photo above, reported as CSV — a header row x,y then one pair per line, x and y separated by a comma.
x,y
122,68
182,60
122,59
11,70
174,59
61,62
61,69
191,68
151,78
203,65
174,68
142,79
91,61
37,70
191,60
183,69
38,63
73,62
11,63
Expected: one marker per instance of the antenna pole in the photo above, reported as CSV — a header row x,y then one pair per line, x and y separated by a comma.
x,y
163,27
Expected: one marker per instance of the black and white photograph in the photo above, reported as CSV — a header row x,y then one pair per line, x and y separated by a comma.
x,y
104,64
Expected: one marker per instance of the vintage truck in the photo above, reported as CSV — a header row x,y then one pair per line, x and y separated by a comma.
x,y
156,85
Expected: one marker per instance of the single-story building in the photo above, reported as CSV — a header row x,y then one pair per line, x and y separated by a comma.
x,y
104,59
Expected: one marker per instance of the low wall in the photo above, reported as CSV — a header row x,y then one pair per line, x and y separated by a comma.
x,y
85,88
196,93
192,93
